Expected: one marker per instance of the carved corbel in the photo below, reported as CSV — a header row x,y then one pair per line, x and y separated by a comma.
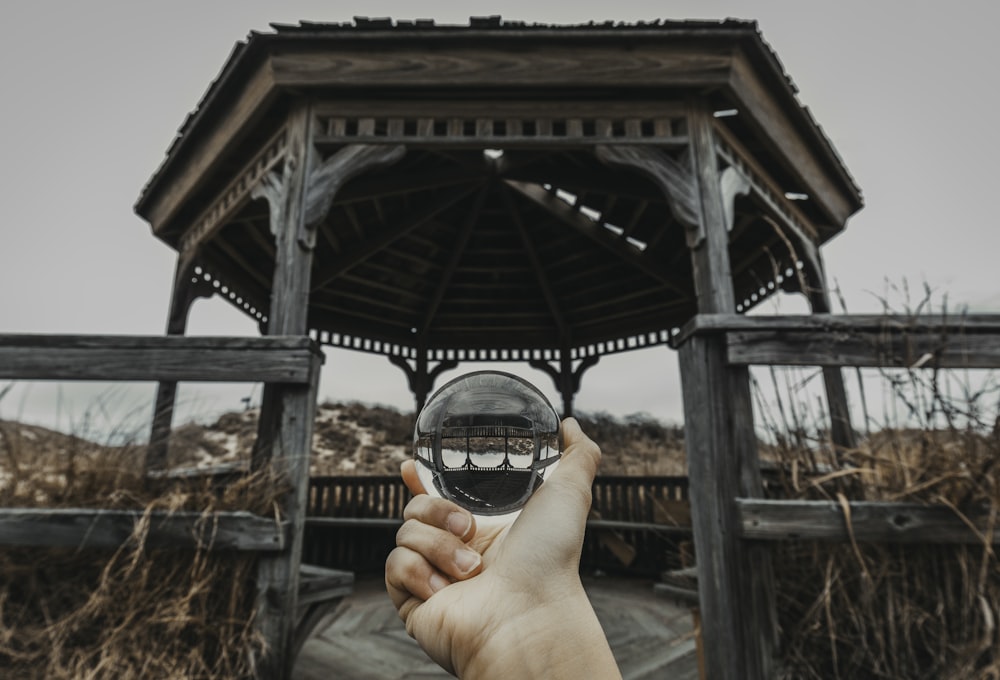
x,y
676,181
273,187
325,180
732,183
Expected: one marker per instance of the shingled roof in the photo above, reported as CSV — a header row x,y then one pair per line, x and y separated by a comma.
x,y
478,28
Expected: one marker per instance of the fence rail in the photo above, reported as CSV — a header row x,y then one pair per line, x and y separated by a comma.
x,y
732,522
638,522
289,365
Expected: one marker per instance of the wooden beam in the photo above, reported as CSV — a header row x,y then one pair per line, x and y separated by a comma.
x,y
220,128
373,243
537,267
458,248
584,225
712,272
735,581
845,324
673,179
776,520
823,177
156,358
325,180
89,528
864,349
284,432
653,63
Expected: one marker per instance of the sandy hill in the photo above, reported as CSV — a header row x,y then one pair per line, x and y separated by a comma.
x,y
349,439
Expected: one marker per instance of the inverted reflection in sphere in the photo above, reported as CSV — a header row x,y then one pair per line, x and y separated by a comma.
x,y
486,441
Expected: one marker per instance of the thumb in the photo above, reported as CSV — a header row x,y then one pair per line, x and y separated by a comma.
x,y
566,492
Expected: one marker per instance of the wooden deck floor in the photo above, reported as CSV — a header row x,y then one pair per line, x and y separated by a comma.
x,y
365,640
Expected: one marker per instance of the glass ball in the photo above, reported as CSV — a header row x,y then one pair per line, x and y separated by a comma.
x,y
486,441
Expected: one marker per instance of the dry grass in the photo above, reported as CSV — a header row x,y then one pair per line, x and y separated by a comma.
x,y
892,611
129,613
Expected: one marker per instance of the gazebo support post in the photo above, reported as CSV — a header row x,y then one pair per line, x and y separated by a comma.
x,y
284,436
299,198
841,428
735,580
420,378
186,289
567,379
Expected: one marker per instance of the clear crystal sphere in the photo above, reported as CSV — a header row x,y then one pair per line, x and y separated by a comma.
x,y
486,440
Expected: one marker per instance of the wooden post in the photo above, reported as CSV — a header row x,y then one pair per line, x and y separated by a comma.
x,y
284,435
841,428
183,294
735,581
299,198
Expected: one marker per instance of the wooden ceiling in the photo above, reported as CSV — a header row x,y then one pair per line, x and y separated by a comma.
x,y
492,249
516,238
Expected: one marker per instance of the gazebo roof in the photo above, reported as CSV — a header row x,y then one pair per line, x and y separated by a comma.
x,y
502,226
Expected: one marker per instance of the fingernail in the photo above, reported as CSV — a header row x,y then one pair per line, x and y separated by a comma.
x,y
466,560
459,523
438,582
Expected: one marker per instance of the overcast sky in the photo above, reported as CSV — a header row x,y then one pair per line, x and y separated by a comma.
x,y
94,92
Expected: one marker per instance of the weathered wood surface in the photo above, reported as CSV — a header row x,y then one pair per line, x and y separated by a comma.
x,y
187,287
89,528
156,358
735,581
865,349
842,323
663,65
284,434
869,521
651,637
321,591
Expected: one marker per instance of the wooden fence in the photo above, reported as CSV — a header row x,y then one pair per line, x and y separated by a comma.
x,y
290,365
637,525
732,522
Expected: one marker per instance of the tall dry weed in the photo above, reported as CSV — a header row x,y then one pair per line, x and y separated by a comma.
x,y
134,612
865,610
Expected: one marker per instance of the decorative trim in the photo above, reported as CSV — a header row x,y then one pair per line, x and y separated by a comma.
x,y
325,180
236,193
500,131
393,349
674,179
762,186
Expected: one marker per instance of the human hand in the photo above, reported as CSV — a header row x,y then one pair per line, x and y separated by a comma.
x,y
503,601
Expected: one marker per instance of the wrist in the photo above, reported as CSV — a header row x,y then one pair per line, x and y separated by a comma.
x,y
525,646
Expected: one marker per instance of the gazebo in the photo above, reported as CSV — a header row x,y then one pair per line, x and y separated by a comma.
x,y
498,191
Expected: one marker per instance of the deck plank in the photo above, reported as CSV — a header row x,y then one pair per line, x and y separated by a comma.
x,y
365,640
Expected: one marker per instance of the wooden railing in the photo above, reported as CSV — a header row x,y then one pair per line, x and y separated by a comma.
x,y
289,364
636,526
731,520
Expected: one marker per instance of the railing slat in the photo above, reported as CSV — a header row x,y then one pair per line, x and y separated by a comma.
x,y
98,528
275,359
869,521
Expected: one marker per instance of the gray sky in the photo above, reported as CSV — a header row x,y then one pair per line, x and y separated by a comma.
x,y
94,92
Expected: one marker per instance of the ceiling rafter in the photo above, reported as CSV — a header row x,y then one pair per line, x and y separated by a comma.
x,y
351,257
584,225
456,255
536,265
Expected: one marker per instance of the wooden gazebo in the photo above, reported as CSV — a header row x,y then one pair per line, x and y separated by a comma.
x,y
500,192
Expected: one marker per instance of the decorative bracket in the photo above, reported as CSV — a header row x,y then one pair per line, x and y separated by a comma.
x,y
676,181
325,180
420,380
732,183
322,184
273,187
566,379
